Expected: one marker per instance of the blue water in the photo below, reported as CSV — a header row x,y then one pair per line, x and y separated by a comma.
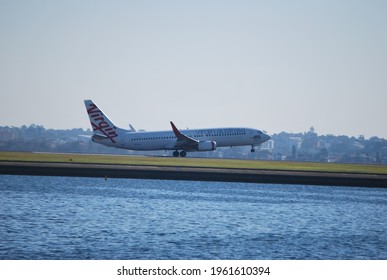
x,y
90,218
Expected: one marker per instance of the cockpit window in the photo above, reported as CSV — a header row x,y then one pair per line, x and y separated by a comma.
x,y
259,132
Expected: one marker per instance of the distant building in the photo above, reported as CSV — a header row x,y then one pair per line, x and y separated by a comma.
x,y
267,146
295,141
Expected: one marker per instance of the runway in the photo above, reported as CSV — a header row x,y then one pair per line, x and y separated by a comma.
x,y
193,174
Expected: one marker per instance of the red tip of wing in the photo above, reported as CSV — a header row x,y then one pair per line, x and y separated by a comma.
x,y
175,130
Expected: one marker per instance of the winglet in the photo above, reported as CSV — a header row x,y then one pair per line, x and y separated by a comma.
x,y
181,137
175,130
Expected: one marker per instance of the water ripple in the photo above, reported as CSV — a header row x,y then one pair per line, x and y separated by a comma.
x,y
86,218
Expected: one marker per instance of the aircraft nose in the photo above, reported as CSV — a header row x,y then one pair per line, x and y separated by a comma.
x,y
266,137
261,137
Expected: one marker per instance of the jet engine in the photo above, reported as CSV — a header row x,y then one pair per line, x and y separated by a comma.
x,y
206,146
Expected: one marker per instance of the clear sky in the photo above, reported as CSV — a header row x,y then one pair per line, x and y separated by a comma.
x,y
272,65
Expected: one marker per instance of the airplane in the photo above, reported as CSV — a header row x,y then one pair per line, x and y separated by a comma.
x,y
179,141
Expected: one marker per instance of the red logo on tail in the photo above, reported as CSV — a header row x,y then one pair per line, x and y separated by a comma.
x,y
99,123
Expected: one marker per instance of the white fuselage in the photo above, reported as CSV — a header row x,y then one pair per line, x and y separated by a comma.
x,y
166,140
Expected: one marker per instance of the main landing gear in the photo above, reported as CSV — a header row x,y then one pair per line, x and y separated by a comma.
x,y
182,153
252,149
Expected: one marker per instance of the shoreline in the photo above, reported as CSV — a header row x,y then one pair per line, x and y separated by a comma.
x,y
193,174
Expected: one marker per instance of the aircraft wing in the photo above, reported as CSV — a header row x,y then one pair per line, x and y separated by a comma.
x,y
183,141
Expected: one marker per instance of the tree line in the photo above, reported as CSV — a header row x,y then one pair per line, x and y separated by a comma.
x,y
303,146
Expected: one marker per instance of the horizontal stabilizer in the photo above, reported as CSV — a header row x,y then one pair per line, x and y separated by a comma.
x,y
99,137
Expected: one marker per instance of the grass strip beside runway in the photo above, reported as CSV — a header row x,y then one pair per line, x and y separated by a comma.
x,y
194,162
